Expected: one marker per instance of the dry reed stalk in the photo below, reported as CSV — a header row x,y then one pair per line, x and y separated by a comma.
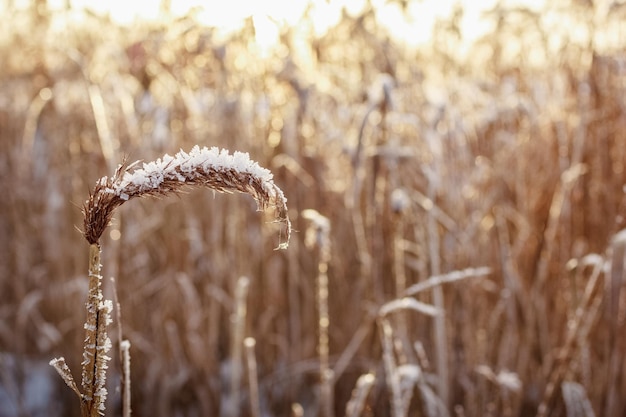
x,y
403,378
511,346
352,203
409,303
364,384
96,345
400,204
296,331
566,353
614,287
353,346
96,339
391,373
440,331
560,199
125,348
33,115
124,354
253,377
453,276
107,146
318,236
231,403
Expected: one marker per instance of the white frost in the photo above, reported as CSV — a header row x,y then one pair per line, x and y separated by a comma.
x,y
185,165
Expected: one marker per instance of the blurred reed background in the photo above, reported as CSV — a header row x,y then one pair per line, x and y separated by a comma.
x,y
507,153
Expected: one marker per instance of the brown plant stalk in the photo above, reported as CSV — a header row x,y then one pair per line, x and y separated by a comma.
x,y
318,236
96,345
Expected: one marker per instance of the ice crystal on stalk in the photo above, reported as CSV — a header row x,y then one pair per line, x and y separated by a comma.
x,y
213,168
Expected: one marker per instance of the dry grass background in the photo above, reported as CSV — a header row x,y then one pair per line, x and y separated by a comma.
x,y
424,162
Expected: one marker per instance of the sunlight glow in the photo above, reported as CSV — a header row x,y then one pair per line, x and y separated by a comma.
x,y
413,26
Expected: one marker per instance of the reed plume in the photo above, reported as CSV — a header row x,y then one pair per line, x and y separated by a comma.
x,y
201,167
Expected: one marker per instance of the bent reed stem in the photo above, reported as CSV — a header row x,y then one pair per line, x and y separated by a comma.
x,y
212,168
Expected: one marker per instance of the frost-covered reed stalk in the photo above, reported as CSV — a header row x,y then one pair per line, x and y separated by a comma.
x,y
96,345
125,352
202,167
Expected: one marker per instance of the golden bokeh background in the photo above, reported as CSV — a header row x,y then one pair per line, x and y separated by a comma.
x,y
431,139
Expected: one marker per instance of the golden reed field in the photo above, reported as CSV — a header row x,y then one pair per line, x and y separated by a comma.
x,y
457,217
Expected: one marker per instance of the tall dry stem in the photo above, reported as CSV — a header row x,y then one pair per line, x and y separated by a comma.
x,y
391,373
318,237
253,377
364,384
231,403
566,353
441,338
96,345
125,349
94,297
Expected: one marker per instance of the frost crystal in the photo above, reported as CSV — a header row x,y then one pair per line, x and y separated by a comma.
x,y
198,162
213,168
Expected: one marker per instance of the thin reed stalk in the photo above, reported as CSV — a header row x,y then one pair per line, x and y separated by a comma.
x,y
391,373
231,404
96,345
124,354
253,377
364,384
91,326
318,236
440,331
126,407
566,353
614,288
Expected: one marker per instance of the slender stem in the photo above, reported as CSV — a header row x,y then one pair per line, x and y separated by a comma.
x,y
364,384
318,236
326,374
238,331
253,379
393,382
125,348
91,326
441,352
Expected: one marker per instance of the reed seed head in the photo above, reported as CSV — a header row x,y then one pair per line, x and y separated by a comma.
x,y
213,168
